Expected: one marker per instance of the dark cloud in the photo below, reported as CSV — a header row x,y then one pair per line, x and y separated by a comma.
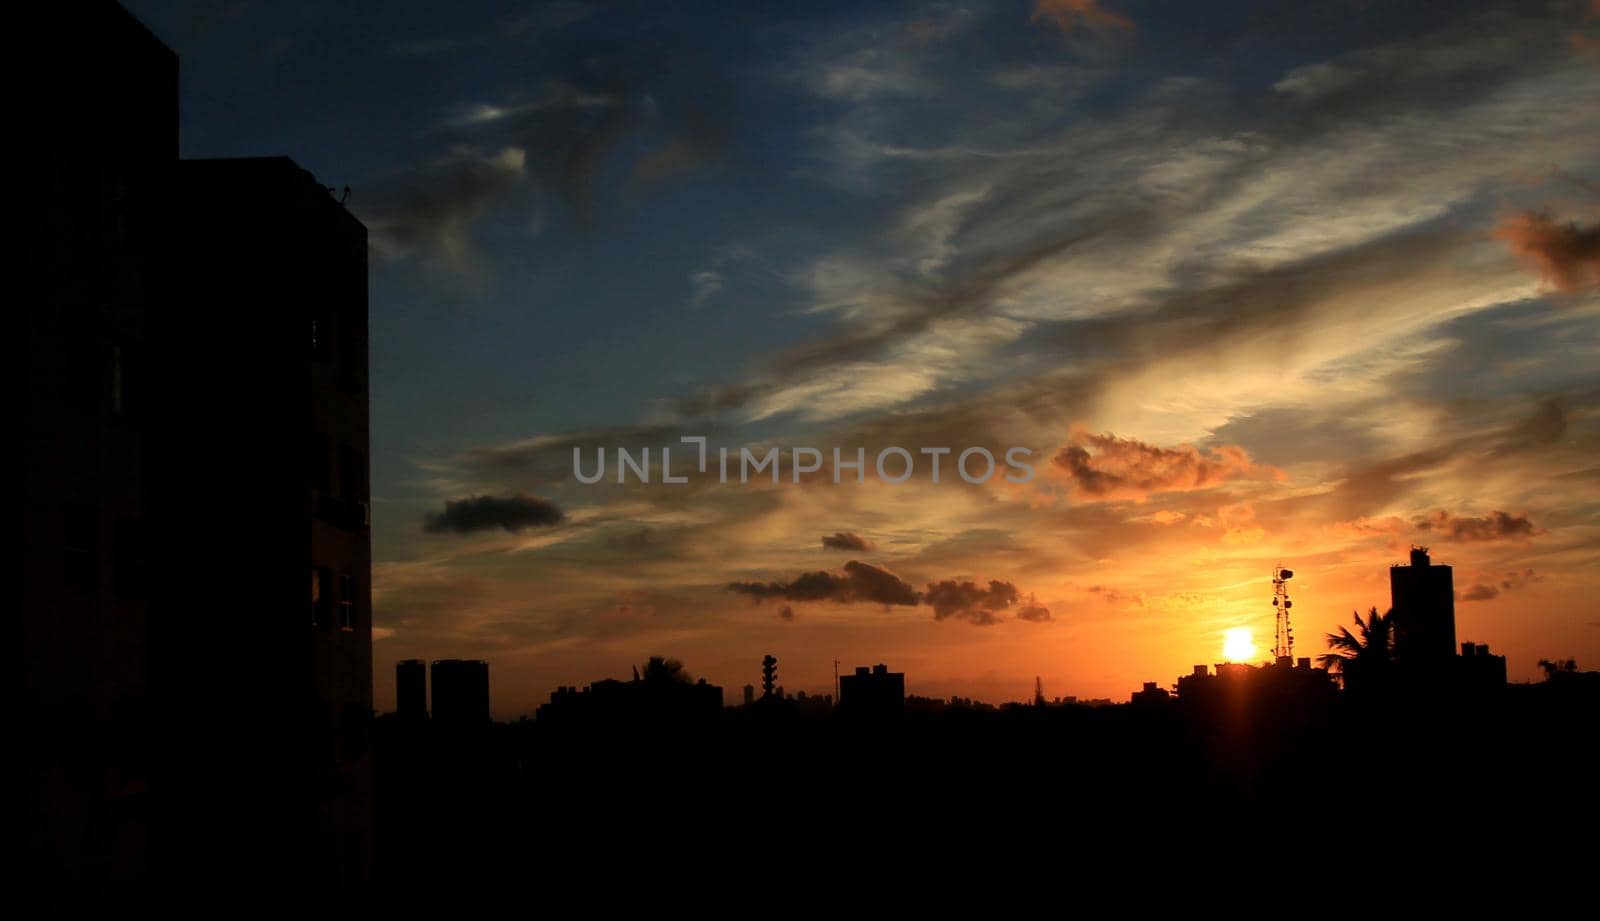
x,y
1484,591
485,513
786,612
858,582
1126,468
551,139
1566,255
1034,612
847,540
967,601
862,582
1494,526
1546,425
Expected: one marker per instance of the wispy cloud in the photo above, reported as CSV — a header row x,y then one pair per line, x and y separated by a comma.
x,y
1072,15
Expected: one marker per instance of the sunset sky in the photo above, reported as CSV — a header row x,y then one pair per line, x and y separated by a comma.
x,y
1256,283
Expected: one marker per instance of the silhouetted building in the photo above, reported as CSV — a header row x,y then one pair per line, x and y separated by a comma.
x,y
749,694
168,522
1282,685
411,689
460,691
261,354
1151,693
874,690
813,704
1479,670
103,137
609,701
1422,596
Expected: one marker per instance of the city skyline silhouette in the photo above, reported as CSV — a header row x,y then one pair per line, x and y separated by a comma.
x,y
1269,332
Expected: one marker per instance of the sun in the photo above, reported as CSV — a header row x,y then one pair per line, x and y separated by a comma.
x,y
1237,646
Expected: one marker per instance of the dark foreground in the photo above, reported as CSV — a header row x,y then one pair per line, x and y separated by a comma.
x,y
677,791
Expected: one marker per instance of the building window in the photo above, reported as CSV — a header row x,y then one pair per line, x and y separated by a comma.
x,y
347,602
320,601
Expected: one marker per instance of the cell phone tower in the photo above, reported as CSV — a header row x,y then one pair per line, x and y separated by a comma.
x,y
1283,647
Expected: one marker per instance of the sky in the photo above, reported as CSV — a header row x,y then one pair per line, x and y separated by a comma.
x,y
1252,284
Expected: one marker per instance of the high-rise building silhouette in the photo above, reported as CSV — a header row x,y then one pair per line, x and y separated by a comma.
x,y
1422,596
411,688
169,393
874,690
258,458
103,136
460,691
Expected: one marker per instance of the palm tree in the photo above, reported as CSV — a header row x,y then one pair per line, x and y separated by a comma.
x,y
1366,655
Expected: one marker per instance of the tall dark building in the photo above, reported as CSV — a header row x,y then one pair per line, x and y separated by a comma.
x,y
872,691
173,507
103,137
460,691
411,689
1422,596
257,460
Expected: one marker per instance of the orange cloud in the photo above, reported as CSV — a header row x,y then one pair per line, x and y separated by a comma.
x,y
1068,15
1567,255
1368,527
1239,524
1118,597
1108,467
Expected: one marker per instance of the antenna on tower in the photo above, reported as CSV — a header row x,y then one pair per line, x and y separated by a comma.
x,y
1283,646
769,676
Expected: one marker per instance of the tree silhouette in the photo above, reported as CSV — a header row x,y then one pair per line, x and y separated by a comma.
x,y
1553,668
664,671
1365,656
